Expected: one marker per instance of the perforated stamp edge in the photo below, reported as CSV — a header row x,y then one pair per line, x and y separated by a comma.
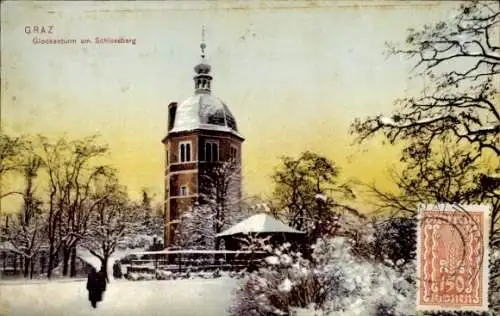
x,y
477,208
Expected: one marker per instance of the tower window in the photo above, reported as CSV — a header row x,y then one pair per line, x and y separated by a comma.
x,y
185,151
183,191
233,153
211,151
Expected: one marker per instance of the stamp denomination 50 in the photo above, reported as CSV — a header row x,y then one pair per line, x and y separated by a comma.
x,y
452,258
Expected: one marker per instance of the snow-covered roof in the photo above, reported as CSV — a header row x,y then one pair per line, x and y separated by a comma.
x,y
204,111
260,223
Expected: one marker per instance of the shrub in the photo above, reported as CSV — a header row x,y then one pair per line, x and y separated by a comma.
x,y
335,282
285,281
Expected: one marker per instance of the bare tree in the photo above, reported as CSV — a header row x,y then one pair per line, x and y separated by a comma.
x,y
110,221
460,101
71,167
460,60
9,162
220,192
196,229
453,127
446,175
306,190
26,232
149,224
10,156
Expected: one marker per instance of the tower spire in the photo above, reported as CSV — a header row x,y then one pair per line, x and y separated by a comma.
x,y
202,79
203,45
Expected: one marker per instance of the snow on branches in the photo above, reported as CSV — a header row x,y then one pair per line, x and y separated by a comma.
x,y
220,190
460,63
196,229
220,206
306,189
335,282
110,222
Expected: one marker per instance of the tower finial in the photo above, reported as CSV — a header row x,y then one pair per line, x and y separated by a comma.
x,y
202,79
203,45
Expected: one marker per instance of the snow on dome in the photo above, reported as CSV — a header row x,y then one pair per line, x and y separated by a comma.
x,y
204,111
260,223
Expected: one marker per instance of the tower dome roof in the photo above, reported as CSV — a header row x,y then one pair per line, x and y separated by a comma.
x,y
206,112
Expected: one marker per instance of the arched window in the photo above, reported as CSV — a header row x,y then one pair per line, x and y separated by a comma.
x,y
215,152
211,151
185,151
184,190
233,153
208,152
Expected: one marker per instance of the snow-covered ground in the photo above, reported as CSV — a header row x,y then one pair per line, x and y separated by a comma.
x,y
173,298
116,256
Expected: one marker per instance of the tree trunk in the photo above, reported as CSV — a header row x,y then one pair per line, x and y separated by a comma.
x,y
104,267
66,253
51,260
15,264
32,267
72,268
27,264
42,263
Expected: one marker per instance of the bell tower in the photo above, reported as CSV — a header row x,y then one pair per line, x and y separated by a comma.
x,y
202,132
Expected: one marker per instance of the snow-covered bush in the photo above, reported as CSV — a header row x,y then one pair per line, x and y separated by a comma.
x,y
135,241
356,286
285,281
335,282
133,276
235,274
164,275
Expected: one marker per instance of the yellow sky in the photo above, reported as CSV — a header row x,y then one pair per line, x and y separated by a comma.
x,y
294,75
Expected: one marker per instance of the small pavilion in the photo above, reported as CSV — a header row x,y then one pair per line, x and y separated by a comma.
x,y
260,226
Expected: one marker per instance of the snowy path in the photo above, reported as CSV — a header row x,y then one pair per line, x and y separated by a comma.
x,y
171,298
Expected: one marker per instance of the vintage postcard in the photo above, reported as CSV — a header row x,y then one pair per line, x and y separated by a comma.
x,y
241,158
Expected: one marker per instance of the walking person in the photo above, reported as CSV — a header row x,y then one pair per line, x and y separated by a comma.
x,y
96,285
117,270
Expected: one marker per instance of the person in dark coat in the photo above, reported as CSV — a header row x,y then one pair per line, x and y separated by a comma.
x,y
117,270
96,285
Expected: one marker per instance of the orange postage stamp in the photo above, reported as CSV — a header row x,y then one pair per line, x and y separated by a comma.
x,y
452,258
